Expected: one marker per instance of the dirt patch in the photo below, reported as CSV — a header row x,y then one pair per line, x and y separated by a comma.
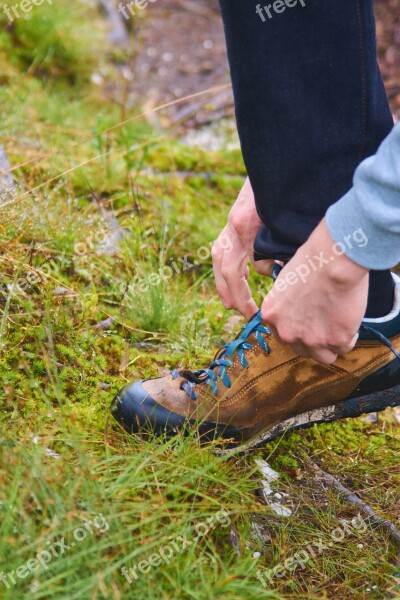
x,y
180,50
388,34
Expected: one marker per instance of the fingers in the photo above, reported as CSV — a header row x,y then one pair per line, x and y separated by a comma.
x,y
325,354
240,291
222,288
231,273
354,340
321,355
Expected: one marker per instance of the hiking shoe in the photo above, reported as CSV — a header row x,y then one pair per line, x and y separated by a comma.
x,y
256,389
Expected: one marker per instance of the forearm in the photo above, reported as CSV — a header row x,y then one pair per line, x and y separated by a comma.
x,y
373,207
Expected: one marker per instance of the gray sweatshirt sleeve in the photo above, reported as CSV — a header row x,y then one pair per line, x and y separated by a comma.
x,y
370,211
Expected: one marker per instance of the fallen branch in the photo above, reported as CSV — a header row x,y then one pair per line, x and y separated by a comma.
x,y
322,477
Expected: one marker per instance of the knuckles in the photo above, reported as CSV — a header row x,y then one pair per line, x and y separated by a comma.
x,y
239,224
287,337
228,272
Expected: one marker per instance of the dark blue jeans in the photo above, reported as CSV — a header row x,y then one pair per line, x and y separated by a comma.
x,y
310,106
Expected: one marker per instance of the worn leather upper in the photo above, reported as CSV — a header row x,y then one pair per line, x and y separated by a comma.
x,y
275,386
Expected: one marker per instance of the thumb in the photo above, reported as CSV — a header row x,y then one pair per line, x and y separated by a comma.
x,y
263,267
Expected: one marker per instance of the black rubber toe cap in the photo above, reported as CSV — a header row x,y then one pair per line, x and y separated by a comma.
x,y
135,409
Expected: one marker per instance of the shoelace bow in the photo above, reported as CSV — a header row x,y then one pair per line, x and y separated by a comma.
x,y
225,360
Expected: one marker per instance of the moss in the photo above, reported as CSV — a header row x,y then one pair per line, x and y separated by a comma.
x,y
54,40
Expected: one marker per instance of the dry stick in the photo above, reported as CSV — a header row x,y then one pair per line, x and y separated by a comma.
x,y
324,477
188,111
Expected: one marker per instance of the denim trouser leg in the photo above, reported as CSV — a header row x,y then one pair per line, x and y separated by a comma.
x,y
310,106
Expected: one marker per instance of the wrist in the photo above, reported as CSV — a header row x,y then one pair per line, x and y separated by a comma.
x,y
338,270
243,214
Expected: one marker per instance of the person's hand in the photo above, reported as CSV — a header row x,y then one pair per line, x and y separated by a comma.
x,y
318,301
232,252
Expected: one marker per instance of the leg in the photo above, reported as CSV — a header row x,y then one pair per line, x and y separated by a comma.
x,y
310,106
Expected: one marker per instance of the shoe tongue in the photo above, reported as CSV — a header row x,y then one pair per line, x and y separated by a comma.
x,y
276,269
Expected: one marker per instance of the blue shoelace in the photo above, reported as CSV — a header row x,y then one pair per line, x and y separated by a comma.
x,y
240,345
379,336
225,359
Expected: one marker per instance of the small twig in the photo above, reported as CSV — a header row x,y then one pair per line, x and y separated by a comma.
x,y
322,477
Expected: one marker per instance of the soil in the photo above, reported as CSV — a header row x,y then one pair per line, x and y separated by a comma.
x,y
388,35
180,50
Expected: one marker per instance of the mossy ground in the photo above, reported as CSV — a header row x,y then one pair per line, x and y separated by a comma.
x,y
63,463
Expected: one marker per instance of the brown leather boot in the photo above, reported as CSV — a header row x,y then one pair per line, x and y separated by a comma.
x,y
256,389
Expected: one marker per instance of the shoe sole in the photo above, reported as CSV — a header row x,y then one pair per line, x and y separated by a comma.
x,y
354,407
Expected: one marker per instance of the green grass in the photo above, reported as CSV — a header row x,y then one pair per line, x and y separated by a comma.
x,y
64,466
